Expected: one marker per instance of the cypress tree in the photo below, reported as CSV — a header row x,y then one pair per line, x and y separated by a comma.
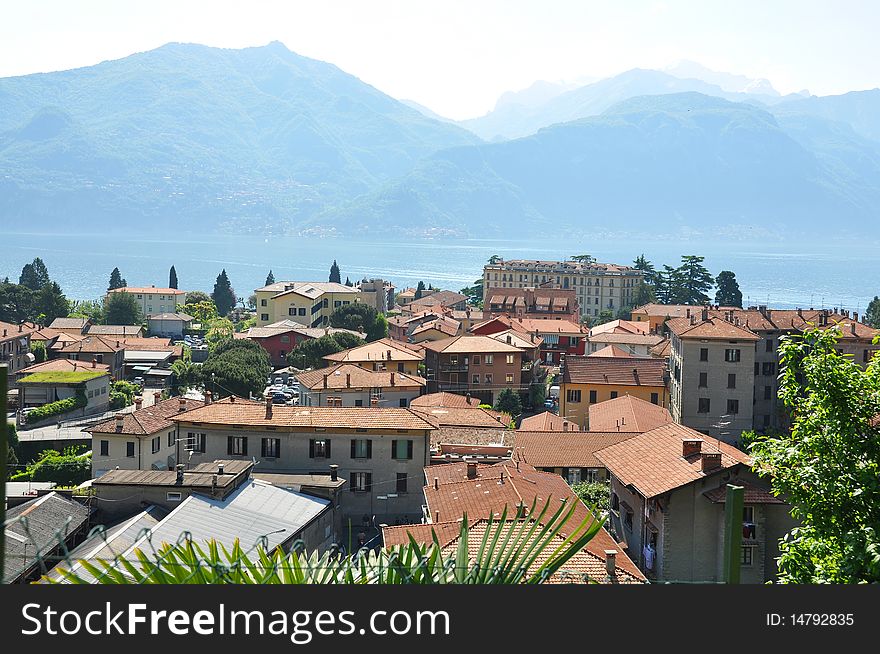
x,y
223,295
172,278
334,273
270,278
116,280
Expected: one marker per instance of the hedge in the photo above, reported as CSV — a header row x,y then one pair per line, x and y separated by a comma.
x,y
56,408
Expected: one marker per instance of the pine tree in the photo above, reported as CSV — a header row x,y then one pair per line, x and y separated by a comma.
x,y
172,278
420,289
223,295
116,280
270,278
728,293
641,263
334,273
348,282
50,303
872,314
34,275
693,281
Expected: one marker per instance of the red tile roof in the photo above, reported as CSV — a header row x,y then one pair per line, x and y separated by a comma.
x,y
611,351
547,422
612,370
65,365
148,289
462,417
627,413
90,344
348,375
377,351
445,399
556,449
711,328
751,495
471,344
148,420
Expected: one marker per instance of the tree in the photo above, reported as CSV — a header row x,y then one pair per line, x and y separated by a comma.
x,y
70,468
236,366
495,259
219,330
650,273
12,448
202,312
348,282
693,281
270,278
508,402
583,258
252,301
728,293
594,494
605,315
186,374
310,353
334,273
38,349
347,340
420,289
643,294
537,394
172,278
49,303
872,314
34,275
16,302
194,297
827,467
123,309
474,293
360,317
122,394
91,309
116,280
224,296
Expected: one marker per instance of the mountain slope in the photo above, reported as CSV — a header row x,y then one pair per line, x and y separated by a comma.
x,y
187,134
860,109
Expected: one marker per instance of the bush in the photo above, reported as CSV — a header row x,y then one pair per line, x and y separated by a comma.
x,y
70,468
597,493
122,394
57,408
236,366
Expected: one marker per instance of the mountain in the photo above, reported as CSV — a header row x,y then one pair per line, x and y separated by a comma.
x,y
191,136
428,113
859,109
650,165
726,81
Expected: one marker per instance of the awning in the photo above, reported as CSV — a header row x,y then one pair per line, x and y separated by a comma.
x,y
158,372
141,368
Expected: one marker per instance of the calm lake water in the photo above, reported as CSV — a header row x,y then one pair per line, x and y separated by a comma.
x,y
778,274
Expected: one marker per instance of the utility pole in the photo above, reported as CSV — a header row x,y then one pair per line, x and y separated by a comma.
x,y
733,513
4,451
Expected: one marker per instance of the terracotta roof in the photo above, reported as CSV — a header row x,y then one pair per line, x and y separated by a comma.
x,y
443,325
253,414
91,344
423,534
441,298
462,417
69,323
625,338
148,289
147,344
610,370
348,375
445,399
713,327
376,351
486,495
547,422
47,334
471,344
557,449
450,435
12,329
611,351
627,413
467,314
653,463
670,310
662,350
185,317
114,330
620,327
148,420
66,365
291,326
551,326
751,495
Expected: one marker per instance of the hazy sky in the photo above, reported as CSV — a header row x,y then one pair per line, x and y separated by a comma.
x,y
458,56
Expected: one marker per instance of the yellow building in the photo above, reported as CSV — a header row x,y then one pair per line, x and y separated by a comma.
x,y
589,380
308,303
152,299
384,354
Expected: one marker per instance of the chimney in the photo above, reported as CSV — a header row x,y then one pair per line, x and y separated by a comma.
x,y
348,380
232,399
268,408
502,478
520,509
117,343
119,419
182,405
325,381
4,331
610,562
693,320
208,395
20,328
691,446
436,516
472,470
687,312
334,472
508,339
855,316
220,468
157,397
94,362
180,473
138,403
389,355
705,314
392,379
436,483
710,461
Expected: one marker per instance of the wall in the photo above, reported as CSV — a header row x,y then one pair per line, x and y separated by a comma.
x,y
578,412
459,377
388,397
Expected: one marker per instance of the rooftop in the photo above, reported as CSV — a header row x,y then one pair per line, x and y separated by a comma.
x,y
69,323
441,298
611,351
711,328
307,289
65,365
114,330
451,435
462,416
556,449
627,413
612,370
471,344
64,377
385,349
203,476
620,326
349,376
147,420
185,317
90,344
444,399
547,422
148,289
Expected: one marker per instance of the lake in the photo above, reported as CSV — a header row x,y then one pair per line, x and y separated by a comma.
x,y
785,275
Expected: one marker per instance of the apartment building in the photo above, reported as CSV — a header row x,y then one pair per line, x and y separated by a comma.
x,y
153,299
348,385
554,338
279,338
597,286
534,303
103,349
377,293
712,379
309,303
384,354
15,347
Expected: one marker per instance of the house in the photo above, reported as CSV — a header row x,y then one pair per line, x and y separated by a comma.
x,y
404,297
590,380
279,338
611,351
15,347
152,299
547,421
635,344
309,303
115,331
597,286
348,385
169,324
56,380
145,439
72,326
712,378
377,293
656,315
445,299
668,488
541,302
435,329
481,491
627,413
554,338
384,354
479,365
377,450
108,350
572,455
445,399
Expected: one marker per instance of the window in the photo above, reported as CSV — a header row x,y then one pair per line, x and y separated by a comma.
x,y
768,392
263,303
509,359
732,406
573,475
476,379
401,482
156,444
628,519
302,311
615,502
403,402
319,448
593,397
195,442
489,379
91,393
704,380
769,345
731,381
129,449
703,405
704,354
488,359
337,304
361,482
476,359
613,394
865,356
573,396
746,556
361,448
264,316
508,379
732,355
271,448
171,439
236,445
768,368
173,496
105,448
358,402
766,421
655,398
401,449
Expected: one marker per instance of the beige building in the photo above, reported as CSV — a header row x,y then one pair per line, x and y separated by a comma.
x,y
349,385
377,293
60,379
668,488
153,299
712,376
308,303
598,286
15,347
384,354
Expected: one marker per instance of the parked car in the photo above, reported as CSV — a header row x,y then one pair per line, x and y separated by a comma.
x,y
279,381
279,398
139,381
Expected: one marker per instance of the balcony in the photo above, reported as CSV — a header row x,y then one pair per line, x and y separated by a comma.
x,y
454,367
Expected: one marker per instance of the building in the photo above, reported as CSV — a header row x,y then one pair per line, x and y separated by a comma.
x,y
598,286
115,331
711,375
571,455
384,354
627,413
611,351
404,297
56,380
634,342
478,365
446,299
308,303
153,299
668,488
145,439
107,350
554,338
15,347
72,326
377,293
169,324
435,329
279,338
531,302
445,399
590,380
547,421
378,451
348,385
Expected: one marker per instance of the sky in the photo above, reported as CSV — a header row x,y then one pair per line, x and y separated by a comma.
x,y
458,56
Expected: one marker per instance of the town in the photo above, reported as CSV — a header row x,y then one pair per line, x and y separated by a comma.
x,y
347,415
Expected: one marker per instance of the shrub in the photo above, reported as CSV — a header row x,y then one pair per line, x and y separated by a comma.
x,y
57,408
70,468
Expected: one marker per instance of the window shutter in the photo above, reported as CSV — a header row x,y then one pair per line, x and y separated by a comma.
x,y
278,447
202,443
327,447
369,449
409,449
311,448
353,448
263,446
368,482
229,444
352,479
393,449
244,446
